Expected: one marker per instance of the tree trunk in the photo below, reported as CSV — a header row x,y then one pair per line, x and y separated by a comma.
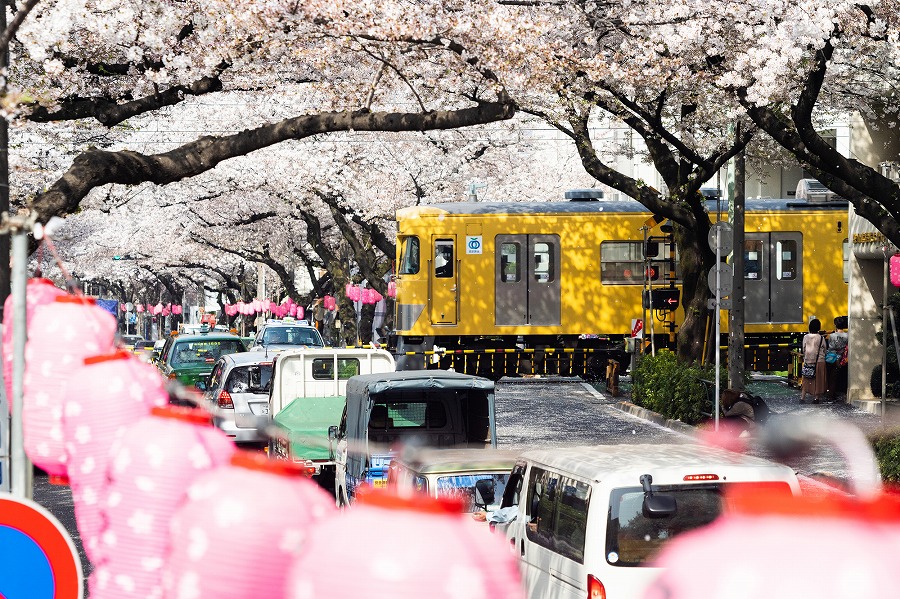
x,y
366,318
696,259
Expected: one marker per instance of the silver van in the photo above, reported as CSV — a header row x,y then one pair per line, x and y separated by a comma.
x,y
588,521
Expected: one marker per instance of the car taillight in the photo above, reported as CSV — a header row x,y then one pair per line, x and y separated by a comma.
x,y
596,590
224,400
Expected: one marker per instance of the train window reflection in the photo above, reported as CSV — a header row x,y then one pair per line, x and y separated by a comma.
x,y
622,263
753,253
509,263
787,260
409,262
443,258
846,253
543,263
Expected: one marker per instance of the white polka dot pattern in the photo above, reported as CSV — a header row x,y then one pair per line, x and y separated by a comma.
x,y
149,454
97,410
37,293
237,534
391,553
60,336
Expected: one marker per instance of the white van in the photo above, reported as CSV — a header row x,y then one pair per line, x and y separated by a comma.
x,y
587,521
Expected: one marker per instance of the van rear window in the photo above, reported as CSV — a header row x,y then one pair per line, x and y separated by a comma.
x,y
634,540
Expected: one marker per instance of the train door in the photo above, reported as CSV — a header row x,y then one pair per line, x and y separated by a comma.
x,y
526,287
773,277
444,281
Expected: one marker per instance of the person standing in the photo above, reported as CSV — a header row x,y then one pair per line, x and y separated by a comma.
x,y
814,376
835,358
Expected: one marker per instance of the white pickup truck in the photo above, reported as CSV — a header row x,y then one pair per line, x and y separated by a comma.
x,y
307,397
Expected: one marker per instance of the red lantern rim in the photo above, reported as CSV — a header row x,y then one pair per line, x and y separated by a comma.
x,y
42,281
119,354
75,299
253,460
416,503
184,414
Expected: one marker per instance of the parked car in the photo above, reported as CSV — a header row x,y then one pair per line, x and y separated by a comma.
x,y
239,390
433,408
190,358
589,521
477,476
278,335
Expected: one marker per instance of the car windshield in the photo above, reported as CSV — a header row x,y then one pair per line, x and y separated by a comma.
x,y
292,336
479,492
204,351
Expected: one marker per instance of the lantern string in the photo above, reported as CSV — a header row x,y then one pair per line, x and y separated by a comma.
x,y
71,284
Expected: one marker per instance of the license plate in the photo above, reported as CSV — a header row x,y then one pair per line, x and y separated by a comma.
x,y
264,410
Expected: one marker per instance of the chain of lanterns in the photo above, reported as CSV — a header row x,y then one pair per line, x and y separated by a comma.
x,y
155,310
168,507
288,307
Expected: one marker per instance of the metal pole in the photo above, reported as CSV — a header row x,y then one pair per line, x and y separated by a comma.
x,y
21,477
884,326
717,315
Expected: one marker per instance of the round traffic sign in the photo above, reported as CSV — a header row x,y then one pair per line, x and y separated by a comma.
x,y
129,307
725,237
726,279
39,558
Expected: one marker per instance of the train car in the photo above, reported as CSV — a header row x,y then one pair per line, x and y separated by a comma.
x,y
506,288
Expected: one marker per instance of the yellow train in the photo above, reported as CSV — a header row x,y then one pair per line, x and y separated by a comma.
x,y
505,288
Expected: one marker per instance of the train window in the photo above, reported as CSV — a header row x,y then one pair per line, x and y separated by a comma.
x,y
443,258
543,263
509,263
622,263
753,255
846,260
409,260
786,265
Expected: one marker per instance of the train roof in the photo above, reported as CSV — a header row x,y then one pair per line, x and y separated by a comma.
x,y
594,207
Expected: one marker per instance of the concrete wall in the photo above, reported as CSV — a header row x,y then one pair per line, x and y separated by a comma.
x,y
871,146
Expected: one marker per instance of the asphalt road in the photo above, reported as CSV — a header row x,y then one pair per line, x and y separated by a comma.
x,y
550,412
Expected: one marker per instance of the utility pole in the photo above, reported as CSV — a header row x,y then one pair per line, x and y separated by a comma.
x,y
736,313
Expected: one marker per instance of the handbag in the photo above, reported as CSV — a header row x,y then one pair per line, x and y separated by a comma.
x,y
808,371
831,357
843,361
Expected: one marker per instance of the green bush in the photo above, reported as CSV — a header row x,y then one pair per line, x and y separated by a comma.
x,y
661,384
887,449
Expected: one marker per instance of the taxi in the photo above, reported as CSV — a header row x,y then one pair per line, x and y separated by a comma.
x,y
189,359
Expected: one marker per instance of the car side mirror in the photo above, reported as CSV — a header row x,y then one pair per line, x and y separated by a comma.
x,y
332,432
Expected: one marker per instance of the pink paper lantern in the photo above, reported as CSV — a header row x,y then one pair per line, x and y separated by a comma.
x,y
404,548
123,308
139,307
158,308
38,292
329,302
153,463
262,506
354,293
297,311
166,311
61,335
803,542
895,270
392,289
106,395
177,309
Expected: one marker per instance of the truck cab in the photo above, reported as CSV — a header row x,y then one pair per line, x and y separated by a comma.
x,y
384,412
